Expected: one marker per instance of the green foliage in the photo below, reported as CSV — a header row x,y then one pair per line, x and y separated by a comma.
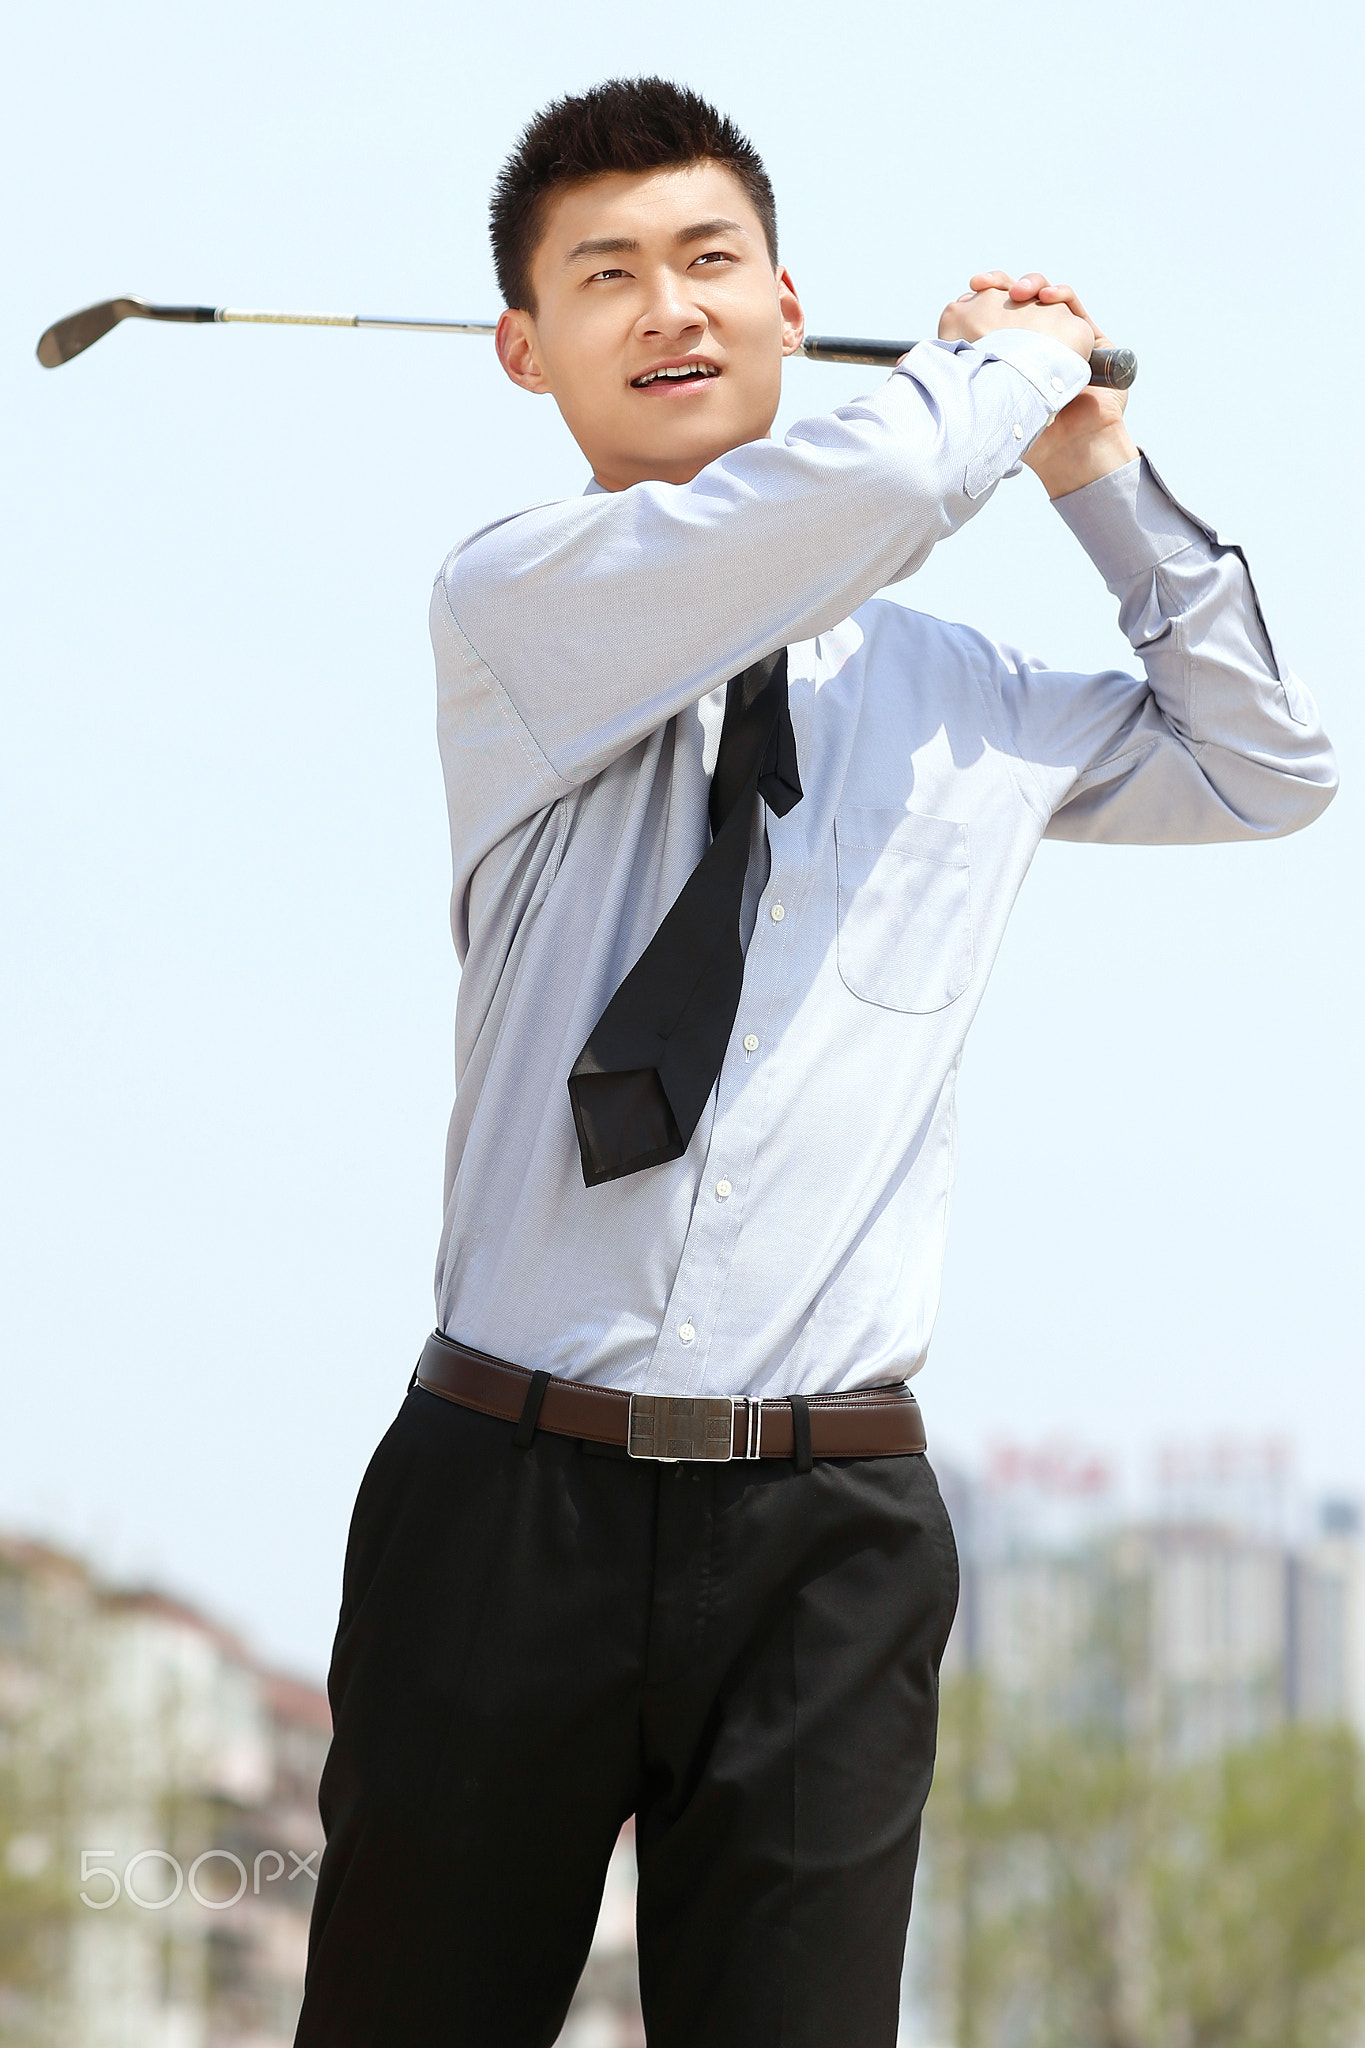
x,y
36,1898
1083,1893
1260,1900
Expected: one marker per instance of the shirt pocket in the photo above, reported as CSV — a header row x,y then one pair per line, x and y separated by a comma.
x,y
905,910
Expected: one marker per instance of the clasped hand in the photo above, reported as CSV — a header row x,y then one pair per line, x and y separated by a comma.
x,y
1087,438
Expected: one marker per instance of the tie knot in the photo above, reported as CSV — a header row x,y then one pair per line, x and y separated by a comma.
x,y
757,744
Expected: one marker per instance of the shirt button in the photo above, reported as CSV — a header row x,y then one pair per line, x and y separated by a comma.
x,y
723,1190
1018,431
687,1331
1057,384
750,1042
777,913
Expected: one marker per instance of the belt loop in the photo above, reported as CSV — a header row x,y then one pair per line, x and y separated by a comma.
x,y
800,1409
530,1411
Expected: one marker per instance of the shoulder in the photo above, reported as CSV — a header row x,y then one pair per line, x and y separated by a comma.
x,y
903,676
485,551
889,635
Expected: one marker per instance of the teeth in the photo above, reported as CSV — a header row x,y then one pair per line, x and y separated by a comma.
x,y
683,370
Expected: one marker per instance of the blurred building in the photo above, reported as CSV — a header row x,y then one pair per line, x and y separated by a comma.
x,y
1140,1659
606,2008
1225,1609
158,1819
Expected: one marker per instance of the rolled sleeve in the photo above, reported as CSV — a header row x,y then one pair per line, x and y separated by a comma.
x,y
1219,739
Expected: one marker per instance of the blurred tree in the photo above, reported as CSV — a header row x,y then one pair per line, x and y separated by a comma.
x,y
44,1701
1082,1893
1259,1897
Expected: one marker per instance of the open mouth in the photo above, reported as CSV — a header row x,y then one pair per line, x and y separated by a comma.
x,y
680,373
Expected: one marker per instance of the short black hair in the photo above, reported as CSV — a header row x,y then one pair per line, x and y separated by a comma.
x,y
624,124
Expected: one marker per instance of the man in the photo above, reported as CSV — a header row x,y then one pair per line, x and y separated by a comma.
x,y
734,849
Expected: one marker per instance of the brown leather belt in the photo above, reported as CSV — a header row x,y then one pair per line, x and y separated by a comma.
x,y
882,1422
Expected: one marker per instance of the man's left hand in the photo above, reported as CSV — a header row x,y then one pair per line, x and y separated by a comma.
x,y
1088,438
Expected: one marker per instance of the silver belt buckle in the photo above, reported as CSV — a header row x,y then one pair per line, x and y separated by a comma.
x,y
676,1428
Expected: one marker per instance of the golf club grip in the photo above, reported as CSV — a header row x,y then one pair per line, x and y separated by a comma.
x,y
1111,369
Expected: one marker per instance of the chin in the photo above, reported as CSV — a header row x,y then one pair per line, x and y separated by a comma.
x,y
706,442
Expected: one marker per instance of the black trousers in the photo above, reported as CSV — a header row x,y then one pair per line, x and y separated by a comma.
x,y
535,1644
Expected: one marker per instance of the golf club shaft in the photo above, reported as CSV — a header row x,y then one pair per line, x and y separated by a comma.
x,y
1107,365
1112,368
229,314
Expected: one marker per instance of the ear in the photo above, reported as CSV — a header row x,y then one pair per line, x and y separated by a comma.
x,y
793,319
515,342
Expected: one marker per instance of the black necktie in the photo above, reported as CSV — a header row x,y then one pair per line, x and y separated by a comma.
x,y
642,1080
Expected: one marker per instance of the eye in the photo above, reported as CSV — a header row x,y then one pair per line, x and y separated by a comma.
x,y
605,274
716,256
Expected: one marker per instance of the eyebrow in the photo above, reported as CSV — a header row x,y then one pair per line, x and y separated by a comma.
x,y
625,245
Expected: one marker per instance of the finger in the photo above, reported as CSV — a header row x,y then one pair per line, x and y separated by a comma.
x,y
1066,295
991,281
1028,286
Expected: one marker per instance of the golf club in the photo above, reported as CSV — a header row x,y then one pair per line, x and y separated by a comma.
x,y
1110,368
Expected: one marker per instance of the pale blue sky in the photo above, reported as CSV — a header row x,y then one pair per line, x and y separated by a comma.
x,y
227,974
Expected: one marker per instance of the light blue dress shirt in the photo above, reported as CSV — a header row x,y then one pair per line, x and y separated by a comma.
x,y
582,651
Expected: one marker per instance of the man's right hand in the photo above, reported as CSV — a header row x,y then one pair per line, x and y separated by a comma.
x,y
999,300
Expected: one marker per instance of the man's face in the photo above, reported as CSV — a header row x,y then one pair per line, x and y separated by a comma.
x,y
639,275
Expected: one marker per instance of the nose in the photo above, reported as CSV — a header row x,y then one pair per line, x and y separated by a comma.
x,y
673,314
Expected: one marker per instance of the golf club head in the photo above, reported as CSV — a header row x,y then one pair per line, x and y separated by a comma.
x,y
69,337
